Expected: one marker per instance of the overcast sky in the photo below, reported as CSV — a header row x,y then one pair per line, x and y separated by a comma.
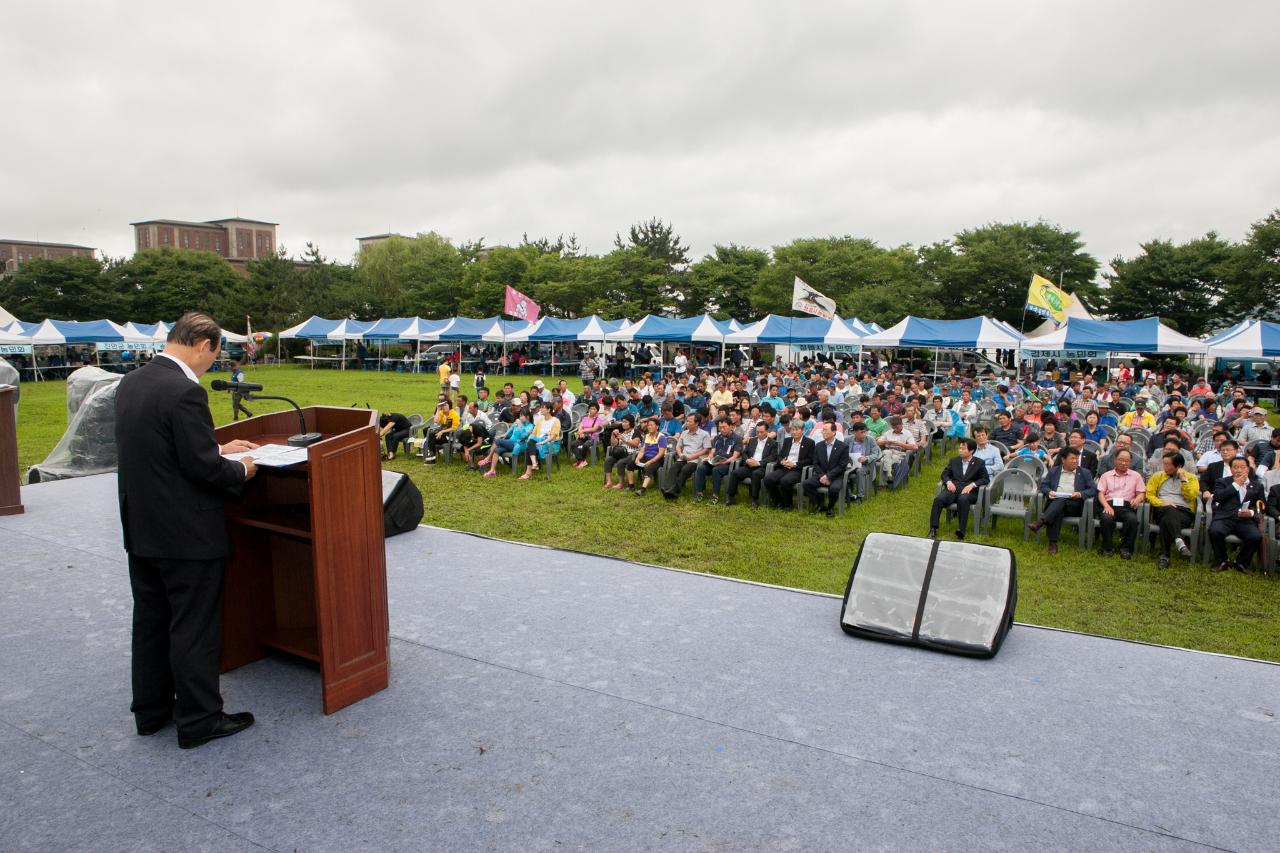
x,y
738,122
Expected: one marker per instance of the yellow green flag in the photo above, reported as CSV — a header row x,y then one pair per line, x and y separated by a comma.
x,y
1047,300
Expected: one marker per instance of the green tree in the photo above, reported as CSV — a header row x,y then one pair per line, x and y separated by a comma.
x,y
866,280
651,264
986,271
721,282
406,276
1253,283
164,283
1183,283
67,289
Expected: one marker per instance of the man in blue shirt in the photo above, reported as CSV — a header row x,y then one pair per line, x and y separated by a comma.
x,y
725,449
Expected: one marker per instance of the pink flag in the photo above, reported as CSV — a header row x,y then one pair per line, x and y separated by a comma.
x,y
520,306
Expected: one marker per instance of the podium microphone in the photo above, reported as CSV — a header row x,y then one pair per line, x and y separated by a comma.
x,y
302,439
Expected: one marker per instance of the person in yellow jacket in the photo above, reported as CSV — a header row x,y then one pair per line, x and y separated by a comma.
x,y
1172,493
443,425
1139,418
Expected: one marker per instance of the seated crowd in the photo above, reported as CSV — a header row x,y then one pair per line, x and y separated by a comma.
x,y
826,432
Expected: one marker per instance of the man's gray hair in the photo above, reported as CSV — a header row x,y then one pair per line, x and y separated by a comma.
x,y
796,423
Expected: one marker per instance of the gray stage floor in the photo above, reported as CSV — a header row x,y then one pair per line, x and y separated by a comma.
x,y
546,700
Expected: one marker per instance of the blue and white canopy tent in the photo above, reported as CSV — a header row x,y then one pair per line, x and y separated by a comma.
x,y
1251,339
797,331
318,331
652,328
972,333
100,333
1147,335
403,330
590,329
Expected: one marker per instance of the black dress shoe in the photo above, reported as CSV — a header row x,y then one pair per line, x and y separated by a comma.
x,y
831,513
933,533
960,535
227,725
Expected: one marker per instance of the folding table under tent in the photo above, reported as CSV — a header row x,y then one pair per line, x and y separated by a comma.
x,y
491,330
701,328
403,330
318,331
62,333
590,329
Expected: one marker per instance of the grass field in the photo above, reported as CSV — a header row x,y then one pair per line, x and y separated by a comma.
x,y
1185,605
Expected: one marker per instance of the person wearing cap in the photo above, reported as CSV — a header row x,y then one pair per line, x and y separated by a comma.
x,y
1256,429
1139,418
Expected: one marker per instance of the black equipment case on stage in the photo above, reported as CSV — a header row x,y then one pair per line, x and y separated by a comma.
x,y
952,596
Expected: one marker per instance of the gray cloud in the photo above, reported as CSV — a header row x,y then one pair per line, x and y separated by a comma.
x,y
750,123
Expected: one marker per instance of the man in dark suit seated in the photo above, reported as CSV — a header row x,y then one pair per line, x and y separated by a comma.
x,y
830,459
1219,470
173,481
1088,459
1067,486
794,456
961,479
761,450
1235,511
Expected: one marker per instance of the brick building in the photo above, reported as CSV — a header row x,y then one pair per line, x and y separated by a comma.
x,y
235,239
374,239
14,253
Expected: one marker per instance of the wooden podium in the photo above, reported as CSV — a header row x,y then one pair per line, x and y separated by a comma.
x,y
10,478
308,573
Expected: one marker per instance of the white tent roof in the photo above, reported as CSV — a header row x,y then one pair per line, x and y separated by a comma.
x,y
5,317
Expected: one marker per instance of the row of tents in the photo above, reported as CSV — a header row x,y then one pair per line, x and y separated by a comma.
x,y
1249,339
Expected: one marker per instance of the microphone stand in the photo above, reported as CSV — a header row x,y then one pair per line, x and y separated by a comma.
x,y
303,438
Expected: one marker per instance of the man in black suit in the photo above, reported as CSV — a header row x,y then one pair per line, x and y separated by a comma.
x,y
1088,459
761,450
1219,470
1235,511
830,459
961,479
794,456
173,480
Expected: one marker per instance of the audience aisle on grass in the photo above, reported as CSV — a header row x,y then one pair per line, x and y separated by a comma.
x,y
1149,460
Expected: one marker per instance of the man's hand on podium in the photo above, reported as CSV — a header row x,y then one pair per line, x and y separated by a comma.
x,y
241,445
238,445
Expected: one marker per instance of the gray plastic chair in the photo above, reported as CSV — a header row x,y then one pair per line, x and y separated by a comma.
x,y
1012,494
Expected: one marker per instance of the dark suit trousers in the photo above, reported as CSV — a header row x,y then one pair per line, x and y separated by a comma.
x,y
814,483
177,640
745,472
1058,509
963,504
1245,528
1172,520
781,484
680,475
1125,515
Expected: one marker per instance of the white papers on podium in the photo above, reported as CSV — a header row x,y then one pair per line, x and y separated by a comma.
x,y
272,455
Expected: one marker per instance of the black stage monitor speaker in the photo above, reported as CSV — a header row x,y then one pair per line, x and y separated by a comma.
x,y
952,596
401,503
